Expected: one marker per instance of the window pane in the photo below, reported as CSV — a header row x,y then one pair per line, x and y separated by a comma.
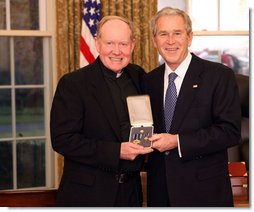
x,y
234,15
5,74
233,51
30,163
28,60
6,172
5,113
204,14
30,112
24,14
2,15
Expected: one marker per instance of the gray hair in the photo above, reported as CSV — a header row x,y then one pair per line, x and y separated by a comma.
x,y
114,17
168,11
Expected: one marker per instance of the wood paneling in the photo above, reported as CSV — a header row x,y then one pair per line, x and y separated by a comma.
x,y
34,198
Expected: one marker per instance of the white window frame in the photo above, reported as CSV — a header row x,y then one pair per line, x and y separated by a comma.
x,y
181,4
47,30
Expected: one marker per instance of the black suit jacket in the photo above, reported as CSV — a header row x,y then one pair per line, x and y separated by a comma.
x,y
86,131
207,118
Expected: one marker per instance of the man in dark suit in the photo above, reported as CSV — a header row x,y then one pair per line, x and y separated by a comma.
x,y
189,166
90,124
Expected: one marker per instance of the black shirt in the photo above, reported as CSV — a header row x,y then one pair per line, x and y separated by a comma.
x,y
120,87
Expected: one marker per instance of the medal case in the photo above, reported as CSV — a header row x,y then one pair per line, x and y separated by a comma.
x,y
141,119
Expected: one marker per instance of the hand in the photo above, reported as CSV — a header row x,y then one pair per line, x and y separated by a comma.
x,y
164,141
129,150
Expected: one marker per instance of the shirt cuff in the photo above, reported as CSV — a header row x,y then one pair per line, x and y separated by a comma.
x,y
179,148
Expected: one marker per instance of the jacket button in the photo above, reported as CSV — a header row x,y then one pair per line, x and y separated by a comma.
x,y
167,152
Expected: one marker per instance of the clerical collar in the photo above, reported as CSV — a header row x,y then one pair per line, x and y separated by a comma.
x,y
119,74
109,73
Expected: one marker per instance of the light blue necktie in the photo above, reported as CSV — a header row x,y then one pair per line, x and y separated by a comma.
x,y
170,100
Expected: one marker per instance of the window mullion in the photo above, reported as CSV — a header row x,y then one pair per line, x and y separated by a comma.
x,y
47,105
8,14
42,12
13,109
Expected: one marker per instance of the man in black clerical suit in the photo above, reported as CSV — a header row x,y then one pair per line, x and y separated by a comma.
x,y
90,124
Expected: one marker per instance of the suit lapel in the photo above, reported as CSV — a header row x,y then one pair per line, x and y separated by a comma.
x,y
189,89
134,75
157,101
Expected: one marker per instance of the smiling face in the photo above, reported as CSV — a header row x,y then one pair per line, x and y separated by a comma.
x,y
115,45
172,40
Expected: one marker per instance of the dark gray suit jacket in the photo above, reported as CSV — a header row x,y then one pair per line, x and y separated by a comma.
x,y
86,131
208,119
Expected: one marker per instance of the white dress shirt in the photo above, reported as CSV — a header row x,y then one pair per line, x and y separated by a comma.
x,y
180,71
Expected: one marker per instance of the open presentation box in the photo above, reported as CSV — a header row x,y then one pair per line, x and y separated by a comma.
x,y
141,119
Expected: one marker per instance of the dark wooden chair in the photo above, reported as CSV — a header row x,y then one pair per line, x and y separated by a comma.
x,y
240,183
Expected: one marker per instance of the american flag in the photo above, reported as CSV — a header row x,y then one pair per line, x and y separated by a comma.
x,y
91,16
